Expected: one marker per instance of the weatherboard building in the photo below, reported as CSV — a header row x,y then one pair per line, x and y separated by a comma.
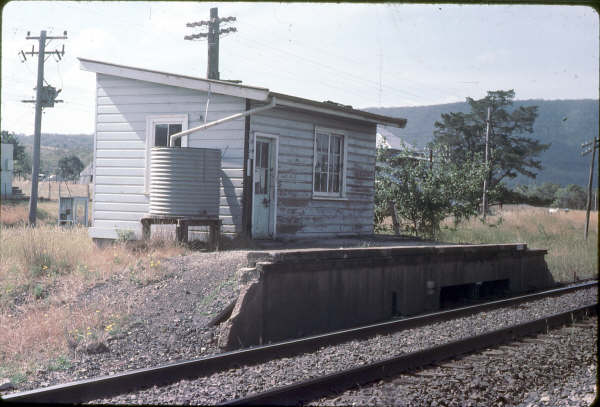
x,y
289,167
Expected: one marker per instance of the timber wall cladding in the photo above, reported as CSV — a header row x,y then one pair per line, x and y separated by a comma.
x,y
298,214
122,108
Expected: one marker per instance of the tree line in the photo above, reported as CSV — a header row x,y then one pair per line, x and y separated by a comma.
x,y
418,192
69,166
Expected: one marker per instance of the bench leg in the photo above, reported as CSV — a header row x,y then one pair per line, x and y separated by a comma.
x,y
181,231
214,237
145,230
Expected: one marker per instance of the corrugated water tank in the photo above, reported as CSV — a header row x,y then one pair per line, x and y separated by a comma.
x,y
185,182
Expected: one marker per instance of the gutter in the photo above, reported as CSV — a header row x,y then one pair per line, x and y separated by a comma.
x,y
176,136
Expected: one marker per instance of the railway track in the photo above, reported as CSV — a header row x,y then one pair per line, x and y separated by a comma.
x,y
555,368
305,391
111,386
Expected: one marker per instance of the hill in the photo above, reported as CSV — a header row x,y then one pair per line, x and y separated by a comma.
x,y
55,146
563,123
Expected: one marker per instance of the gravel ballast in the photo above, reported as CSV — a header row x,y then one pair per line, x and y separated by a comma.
x,y
246,380
167,321
555,369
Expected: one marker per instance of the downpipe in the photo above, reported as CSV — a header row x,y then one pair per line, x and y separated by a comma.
x,y
177,136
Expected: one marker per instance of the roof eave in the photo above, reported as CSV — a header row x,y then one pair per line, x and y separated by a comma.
x,y
327,108
164,78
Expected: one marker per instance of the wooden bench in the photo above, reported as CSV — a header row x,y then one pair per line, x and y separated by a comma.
x,y
182,224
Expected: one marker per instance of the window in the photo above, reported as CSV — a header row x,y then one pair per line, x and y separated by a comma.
x,y
159,130
163,133
329,168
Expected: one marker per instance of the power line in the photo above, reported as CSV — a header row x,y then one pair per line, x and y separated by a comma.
x,y
45,97
212,36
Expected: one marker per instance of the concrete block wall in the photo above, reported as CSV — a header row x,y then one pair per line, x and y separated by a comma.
x,y
306,292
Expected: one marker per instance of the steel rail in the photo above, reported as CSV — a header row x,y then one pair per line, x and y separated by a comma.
x,y
306,391
113,385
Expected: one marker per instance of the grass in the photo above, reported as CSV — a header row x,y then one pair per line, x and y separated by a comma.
x,y
50,189
43,271
570,257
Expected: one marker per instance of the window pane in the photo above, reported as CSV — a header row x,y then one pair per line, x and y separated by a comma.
x,y
175,128
324,160
265,155
322,143
317,185
335,182
323,182
335,144
160,135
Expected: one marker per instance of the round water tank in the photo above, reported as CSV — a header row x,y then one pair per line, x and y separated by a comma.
x,y
185,182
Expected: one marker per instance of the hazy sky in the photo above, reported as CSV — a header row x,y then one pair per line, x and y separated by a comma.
x,y
358,54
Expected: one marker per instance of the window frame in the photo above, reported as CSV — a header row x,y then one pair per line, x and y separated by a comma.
x,y
341,195
151,122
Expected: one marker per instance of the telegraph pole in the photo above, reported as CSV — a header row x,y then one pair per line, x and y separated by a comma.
x,y
213,34
589,147
45,96
487,150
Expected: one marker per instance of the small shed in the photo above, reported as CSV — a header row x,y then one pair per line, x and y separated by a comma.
x,y
86,176
6,169
289,167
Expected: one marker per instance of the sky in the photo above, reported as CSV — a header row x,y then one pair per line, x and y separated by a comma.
x,y
364,55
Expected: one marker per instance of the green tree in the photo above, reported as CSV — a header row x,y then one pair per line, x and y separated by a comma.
x,y
69,167
511,152
572,196
425,193
22,160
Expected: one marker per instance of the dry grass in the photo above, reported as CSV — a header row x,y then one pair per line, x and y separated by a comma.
x,y
50,189
43,270
570,257
17,213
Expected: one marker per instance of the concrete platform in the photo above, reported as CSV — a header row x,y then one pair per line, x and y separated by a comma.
x,y
297,292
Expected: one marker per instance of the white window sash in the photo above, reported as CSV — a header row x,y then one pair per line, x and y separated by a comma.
x,y
151,122
342,163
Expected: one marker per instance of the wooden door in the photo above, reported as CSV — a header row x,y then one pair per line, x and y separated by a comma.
x,y
263,202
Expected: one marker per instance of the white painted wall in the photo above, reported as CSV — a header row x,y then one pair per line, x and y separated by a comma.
x,y
299,214
120,154
6,167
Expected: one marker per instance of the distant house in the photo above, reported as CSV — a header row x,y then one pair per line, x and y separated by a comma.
x,y
87,175
395,145
294,168
6,170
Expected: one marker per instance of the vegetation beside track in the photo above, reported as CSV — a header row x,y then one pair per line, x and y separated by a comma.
x,y
570,257
43,270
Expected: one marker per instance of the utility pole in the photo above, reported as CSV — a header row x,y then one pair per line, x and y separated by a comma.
x,y
45,96
213,34
487,150
589,147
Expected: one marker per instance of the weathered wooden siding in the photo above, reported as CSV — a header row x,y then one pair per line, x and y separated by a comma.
x,y
120,152
298,213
